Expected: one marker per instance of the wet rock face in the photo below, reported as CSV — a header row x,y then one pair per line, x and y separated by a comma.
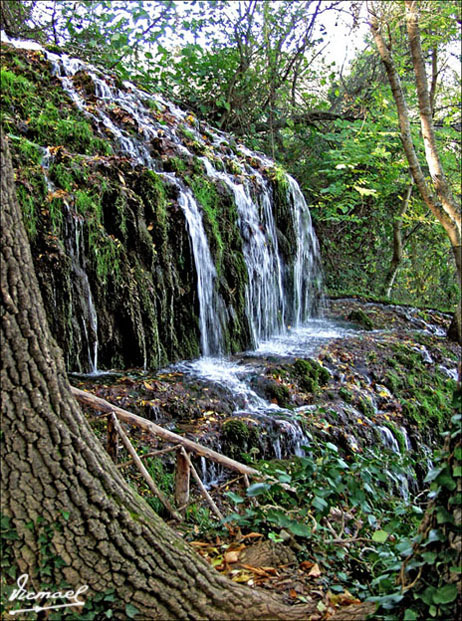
x,y
155,238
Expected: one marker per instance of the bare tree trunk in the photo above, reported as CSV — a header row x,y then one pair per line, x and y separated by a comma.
x,y
397,243
58,482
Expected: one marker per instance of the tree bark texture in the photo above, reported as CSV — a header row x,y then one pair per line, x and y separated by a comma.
x,y
58,480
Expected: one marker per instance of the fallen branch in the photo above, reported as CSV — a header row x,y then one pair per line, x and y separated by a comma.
x,y
152,486
133,419
204,492
146,455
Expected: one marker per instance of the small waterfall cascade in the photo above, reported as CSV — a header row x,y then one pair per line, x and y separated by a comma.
x,y
82,309
403,481
210,304
265,299
281,426
307,287
280,293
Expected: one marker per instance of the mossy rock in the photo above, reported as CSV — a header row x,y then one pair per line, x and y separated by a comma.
x,y
346,395
360,317
239,437
310,374
366,406
273,391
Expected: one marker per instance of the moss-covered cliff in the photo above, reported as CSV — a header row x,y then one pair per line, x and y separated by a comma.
x,y
110,240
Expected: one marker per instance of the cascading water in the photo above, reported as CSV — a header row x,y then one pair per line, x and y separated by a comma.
x,y
282,288
211,308
278,295
265,299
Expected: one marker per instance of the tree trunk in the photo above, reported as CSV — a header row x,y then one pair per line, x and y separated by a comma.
x,y
397,244
59,485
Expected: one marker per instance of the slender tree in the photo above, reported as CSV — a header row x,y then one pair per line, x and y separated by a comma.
x,y
437,192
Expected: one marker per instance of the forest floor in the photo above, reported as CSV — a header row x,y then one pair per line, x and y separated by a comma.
x,y
396,371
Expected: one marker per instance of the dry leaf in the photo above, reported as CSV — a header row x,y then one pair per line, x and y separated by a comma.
x,y
293,594
315,571
232,556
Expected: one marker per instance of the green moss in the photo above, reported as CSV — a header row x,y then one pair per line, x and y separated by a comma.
x,y
28,207
106,253
55,210
30,152
151,187
366,406
283,215
87,204
405,356
51,118
191,141
175,164
61,176
346,395
233,167
238,437
311,374
30,184
279,176
15,87
361,318
207,196
425,393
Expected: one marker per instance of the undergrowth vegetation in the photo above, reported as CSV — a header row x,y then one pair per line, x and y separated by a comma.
x,y
353,516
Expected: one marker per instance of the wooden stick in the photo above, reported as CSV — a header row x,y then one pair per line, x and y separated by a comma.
x,y
101,404
169,449
153,487
204,492
181,479
112,440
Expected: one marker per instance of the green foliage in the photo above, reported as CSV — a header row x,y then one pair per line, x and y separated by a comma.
x,y
164,478
425,398
343,511
431,564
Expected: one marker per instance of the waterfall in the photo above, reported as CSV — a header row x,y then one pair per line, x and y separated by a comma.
x,y
210,304
307,288
282,284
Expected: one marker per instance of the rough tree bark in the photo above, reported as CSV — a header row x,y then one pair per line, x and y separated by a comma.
x,y
58,481
437,196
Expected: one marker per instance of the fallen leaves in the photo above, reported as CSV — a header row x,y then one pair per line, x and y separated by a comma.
x,y
312,569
